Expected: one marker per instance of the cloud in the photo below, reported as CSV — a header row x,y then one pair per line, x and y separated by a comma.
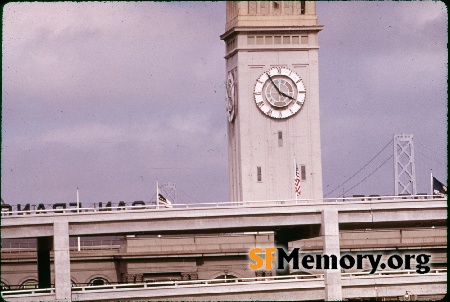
x,y
113,96
87,134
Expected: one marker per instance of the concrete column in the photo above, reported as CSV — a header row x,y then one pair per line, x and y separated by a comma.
x,y
330,232
281,241
44,246
62,261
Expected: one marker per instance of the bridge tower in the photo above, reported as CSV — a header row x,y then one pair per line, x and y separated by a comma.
x,y
404,165
272,99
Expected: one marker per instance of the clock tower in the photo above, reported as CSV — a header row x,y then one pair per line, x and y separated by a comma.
x,y
272,100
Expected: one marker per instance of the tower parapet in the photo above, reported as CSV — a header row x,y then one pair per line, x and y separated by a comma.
x,y
270,14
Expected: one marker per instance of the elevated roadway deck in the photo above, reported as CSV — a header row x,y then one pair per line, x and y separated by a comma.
x,y
298,288
222,218
291,219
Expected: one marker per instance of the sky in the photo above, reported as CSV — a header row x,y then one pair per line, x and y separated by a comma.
x,y
114,97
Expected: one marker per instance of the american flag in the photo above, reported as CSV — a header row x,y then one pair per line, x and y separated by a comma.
x,y
162,200
298,188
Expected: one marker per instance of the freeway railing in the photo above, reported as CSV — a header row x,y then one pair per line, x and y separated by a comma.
x,y
70,208
36,292
229,281
85,245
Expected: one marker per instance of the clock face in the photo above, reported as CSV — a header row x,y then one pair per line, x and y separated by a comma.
x,y
231,97
279,92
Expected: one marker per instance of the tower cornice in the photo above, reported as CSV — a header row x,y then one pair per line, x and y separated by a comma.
x,y
269,30
234,51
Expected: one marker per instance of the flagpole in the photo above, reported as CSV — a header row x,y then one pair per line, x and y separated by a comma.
x,y
78,210
157,195
431,181
295,177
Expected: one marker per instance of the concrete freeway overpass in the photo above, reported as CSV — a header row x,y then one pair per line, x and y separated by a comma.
x,y
292,219
354,285
223,217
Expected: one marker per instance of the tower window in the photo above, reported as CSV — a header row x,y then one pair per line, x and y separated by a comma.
x,y
258,174
302,7
259,40
269,40
250,40
263,8
304,39
252,7
286,40
277,40
295,40
280,138
303,172
276,5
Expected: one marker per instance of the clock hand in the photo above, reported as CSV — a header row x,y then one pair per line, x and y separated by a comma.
x,y
279,91
273,83
286,95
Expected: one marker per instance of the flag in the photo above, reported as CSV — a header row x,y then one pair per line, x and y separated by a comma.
x,y
439,188
298,188
162,200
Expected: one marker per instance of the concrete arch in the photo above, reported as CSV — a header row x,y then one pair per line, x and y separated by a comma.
x,y
22,281
73,281
97,277
4,284
300,272
30,281
232,274
303,273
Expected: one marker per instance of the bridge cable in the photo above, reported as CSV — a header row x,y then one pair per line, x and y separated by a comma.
x,y
360,169
369,174
429,148
430,157
187,195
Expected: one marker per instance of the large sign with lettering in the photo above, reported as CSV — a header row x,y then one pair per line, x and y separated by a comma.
x,y
71,207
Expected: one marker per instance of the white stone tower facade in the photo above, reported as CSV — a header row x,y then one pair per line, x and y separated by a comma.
x,y
273,99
